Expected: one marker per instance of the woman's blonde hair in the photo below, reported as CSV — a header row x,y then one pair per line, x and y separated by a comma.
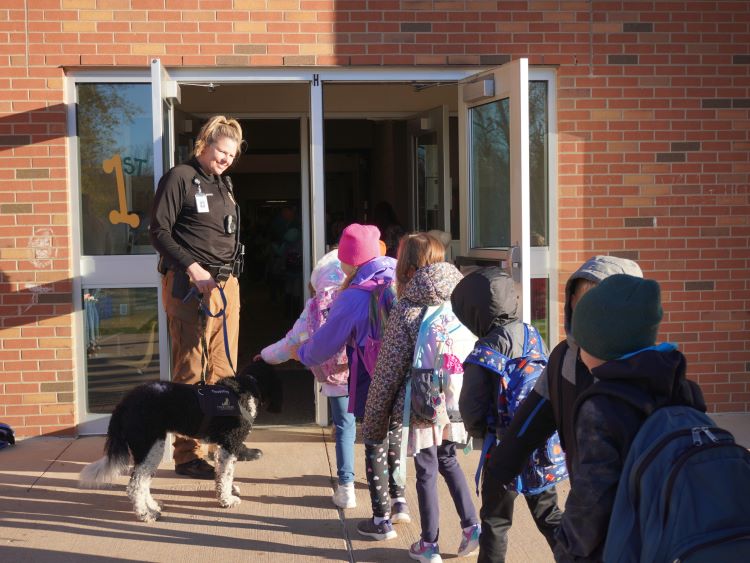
x,y
416,251
216,128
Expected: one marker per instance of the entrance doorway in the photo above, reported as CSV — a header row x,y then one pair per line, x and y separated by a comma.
x,y
376,170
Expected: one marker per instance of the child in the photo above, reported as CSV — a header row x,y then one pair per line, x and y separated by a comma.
x,y
348,324
333,374
565,378
615,325
424,279
486,302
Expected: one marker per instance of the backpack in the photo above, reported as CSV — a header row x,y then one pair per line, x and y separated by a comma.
x,y
382,298
436,377
684,494
7,438
433,385
335,370
546,465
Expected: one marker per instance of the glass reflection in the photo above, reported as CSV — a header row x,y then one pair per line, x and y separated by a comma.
x,y
116,167
540,307
429,213
539,162
489,181
122,343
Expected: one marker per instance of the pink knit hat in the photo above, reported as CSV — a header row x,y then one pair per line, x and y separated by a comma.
x,y
359,244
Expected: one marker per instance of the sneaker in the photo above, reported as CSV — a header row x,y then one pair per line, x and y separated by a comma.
x,y
469,540
400,513
344,496
197,469
380,532
427,552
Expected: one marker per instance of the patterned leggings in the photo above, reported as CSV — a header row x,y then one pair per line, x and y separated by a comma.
x,y
380,462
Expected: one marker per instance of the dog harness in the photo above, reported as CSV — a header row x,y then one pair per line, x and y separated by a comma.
x,y
215,400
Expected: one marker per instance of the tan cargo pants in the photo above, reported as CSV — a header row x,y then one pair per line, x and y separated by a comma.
x,y
184,324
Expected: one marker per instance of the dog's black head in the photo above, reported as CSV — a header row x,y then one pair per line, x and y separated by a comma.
x,y
260,379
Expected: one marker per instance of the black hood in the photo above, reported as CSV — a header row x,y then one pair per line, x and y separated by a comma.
x,y
653,378
484,299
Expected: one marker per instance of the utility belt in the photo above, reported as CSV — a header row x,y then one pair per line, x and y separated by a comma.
x,y
220,271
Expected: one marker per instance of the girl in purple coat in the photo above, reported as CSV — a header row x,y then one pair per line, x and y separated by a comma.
x,y
348,324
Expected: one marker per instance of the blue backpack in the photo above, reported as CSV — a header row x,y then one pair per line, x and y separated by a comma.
x,y
546,465
684,494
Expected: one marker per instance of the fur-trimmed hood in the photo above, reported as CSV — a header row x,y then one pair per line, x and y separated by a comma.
x,y
432,284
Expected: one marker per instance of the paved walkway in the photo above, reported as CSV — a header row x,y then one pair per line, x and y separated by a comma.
x,y
286,514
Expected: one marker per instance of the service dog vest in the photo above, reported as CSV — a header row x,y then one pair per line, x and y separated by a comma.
x,y
217,400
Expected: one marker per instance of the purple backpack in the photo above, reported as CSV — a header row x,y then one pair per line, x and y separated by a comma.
x,y
382,298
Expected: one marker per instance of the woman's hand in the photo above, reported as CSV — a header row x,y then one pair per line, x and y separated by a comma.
x,y
201,279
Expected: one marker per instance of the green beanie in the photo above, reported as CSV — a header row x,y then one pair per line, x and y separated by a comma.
x,y
619,316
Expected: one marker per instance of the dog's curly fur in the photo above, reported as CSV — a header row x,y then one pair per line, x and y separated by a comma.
x,y
140,423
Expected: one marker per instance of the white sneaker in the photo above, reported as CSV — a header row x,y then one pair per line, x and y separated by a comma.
x,y
344,496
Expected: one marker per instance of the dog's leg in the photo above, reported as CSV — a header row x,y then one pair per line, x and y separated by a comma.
x,y
225,479
157,453
138,489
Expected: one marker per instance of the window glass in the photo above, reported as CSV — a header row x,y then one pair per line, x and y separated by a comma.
x,y
539,162
489,182
122,343
116,167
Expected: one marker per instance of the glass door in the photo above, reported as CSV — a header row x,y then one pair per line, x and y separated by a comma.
x,y
113,141
430,166
494,171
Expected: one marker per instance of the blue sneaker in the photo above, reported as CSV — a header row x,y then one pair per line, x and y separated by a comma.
x,y
380,532
469,540
400,513
425,552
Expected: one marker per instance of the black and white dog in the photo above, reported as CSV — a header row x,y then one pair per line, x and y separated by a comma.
x,y
220,414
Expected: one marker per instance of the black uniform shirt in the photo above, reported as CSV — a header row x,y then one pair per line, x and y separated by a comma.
x,y
179,232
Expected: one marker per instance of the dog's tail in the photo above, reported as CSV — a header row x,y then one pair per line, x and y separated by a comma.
x,y
103,471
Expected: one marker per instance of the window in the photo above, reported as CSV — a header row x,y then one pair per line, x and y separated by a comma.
x,y
116,167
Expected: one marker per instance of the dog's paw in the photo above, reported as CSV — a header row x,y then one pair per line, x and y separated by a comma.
x,y
229,501
155,505
235,490
148,516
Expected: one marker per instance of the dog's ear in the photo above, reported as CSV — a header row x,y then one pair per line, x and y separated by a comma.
x,y
230,383
268,384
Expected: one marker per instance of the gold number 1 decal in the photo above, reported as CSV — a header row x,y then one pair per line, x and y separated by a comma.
x,y
114,164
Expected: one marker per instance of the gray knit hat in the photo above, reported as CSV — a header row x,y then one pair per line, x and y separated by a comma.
x,y
618,316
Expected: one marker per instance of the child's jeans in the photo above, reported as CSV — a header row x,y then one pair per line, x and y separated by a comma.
x,y
497,516
381,461
428,462
345,425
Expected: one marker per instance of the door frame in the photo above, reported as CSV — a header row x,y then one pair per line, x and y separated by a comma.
x,y
314,232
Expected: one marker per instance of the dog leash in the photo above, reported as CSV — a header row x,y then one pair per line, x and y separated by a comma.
x,y
205,311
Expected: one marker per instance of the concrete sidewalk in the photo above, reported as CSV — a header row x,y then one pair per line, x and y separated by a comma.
x,y
286,512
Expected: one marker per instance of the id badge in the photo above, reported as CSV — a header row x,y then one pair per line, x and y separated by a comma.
x,y
201,202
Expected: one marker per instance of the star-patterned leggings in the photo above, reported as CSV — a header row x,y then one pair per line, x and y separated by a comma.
x,y
380,462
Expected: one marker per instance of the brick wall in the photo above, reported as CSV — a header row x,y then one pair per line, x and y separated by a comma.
x,y
654,144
